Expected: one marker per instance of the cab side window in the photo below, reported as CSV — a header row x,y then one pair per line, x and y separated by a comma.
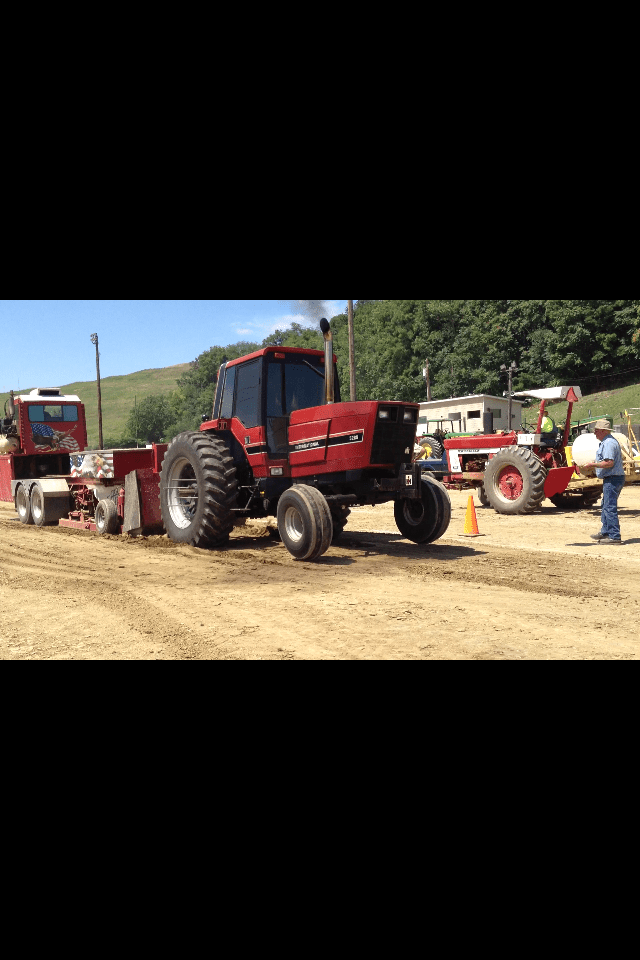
x,y
226,407
248,393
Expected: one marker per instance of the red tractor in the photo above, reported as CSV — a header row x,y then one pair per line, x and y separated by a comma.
x,y
281,442
514,472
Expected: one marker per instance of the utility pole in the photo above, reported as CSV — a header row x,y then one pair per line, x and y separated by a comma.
x,y
425,374
352,352
509,371
94,339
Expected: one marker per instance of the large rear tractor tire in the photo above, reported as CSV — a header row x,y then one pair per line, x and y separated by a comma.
x,y
426,519
198,490
304,522
23,505
514,481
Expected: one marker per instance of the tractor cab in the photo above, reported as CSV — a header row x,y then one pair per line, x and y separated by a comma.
x,y
256,397
261,392
44,421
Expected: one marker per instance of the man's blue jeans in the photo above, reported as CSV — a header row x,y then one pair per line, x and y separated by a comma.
x,y
611,487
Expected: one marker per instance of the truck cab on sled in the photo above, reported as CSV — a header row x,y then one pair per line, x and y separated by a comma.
x,y
281,441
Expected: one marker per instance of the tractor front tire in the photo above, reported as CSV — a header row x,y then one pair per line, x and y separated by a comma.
x,y
198,490
426,519
514,481
304,522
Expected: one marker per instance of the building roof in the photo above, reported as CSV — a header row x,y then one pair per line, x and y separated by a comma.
x,y
471,396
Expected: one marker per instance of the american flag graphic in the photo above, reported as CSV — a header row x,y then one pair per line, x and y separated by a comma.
x,y
98,466
52,439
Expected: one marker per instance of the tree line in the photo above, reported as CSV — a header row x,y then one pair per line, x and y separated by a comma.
x,y
593,343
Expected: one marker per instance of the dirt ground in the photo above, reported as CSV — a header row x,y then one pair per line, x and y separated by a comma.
x,y
528,588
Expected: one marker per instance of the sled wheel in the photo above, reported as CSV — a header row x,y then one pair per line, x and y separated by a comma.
x,y
304,522
198,490
38,506
514,481
23,504
426,519
107,520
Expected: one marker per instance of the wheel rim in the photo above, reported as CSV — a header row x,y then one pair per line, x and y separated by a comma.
x,y
413,512
22,502
293,524
100,517
36,506
509,483
182,493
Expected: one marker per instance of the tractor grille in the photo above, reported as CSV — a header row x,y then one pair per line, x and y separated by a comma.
x,y
391,438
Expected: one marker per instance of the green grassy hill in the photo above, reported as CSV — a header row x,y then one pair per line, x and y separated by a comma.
x,y
606,402
118,396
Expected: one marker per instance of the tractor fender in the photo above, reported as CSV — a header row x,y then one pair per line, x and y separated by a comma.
x,y
557,481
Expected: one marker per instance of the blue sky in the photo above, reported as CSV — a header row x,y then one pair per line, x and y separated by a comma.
x,y
48,342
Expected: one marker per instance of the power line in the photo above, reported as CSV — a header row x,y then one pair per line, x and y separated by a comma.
x,y
608,376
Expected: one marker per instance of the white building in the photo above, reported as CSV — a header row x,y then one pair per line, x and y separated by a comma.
x,y
466,413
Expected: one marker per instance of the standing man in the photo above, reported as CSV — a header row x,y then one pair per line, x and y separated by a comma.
x,y
608,464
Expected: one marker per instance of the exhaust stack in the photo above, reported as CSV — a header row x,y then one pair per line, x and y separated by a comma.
x,y
10,407
328,361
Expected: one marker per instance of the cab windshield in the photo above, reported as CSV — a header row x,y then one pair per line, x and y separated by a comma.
x,y
296,383
43,413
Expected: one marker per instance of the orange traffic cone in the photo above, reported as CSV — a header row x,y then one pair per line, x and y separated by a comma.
x,y
470,522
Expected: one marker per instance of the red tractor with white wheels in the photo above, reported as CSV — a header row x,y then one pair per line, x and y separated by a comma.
x,y
514,472
281,442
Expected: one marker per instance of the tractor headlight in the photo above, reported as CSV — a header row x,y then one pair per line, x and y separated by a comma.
x,y
388,413
410,416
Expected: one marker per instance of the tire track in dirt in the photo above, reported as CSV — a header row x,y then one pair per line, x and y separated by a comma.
x,y
521,591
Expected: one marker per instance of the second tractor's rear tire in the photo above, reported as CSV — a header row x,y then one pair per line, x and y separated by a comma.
x,y
304,522
426,519
514,481
198,490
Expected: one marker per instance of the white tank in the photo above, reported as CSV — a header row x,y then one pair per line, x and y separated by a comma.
x,y
585,448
